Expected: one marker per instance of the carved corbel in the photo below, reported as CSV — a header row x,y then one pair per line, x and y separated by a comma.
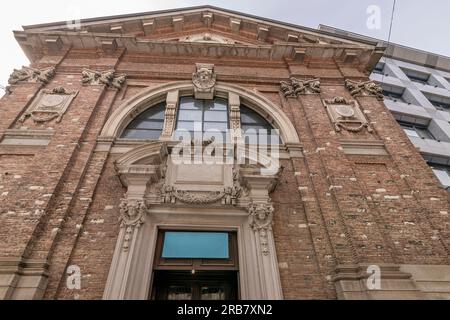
x,y
204,80
364,89
294,87
107,78
27,74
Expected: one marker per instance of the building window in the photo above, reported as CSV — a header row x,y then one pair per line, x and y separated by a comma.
x,y
442,173
256,129
379,68
202,115
195,265
417,131
148,125
417,76
393,96
440,105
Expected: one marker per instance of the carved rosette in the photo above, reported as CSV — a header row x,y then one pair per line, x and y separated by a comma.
x,y
204,80
107,78
294,87
364,89
346,115
50,104
132,216
27,74
261,221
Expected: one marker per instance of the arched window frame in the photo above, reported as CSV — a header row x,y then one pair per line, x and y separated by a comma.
x,y
173,107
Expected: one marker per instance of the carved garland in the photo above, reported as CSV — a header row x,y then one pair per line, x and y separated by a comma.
x,y
294,88
228,196
132,216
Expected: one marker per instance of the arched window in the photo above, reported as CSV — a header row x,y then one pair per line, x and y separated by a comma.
x,y
195,115
256,129
148,125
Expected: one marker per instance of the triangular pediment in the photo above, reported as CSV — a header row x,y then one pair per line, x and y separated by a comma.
x,y
198,31
162,25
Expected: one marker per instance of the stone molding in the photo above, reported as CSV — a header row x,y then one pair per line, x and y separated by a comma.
x,y
364,89
27,74
346,114
351,282
22,279
294,88
107,78
50,105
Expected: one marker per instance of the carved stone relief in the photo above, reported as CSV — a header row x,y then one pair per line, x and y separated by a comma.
x,y
294,88
170,115
204,80
132,216
234,103
49,104
107,78
346,115
261,221
364,89
228,196
27,74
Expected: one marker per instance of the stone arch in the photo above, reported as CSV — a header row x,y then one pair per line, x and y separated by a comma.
x,y
119,120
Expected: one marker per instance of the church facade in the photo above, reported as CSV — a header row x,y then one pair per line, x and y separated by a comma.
x,y
202,153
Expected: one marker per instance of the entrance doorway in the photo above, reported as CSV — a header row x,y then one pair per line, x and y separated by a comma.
x,y
195,265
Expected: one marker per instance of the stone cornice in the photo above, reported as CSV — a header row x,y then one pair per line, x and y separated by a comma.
x,y
35,44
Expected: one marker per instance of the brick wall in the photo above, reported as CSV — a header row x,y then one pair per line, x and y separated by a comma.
x,y
60,202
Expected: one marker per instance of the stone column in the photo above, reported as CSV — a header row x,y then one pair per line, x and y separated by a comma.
x,y
133,210
261,213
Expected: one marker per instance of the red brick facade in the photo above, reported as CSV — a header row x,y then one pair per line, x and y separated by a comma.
x,y
59,202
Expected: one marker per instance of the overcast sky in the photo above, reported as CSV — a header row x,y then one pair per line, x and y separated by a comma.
x,y
417,23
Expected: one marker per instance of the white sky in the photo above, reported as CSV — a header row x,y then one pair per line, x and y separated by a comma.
x,y
418,23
